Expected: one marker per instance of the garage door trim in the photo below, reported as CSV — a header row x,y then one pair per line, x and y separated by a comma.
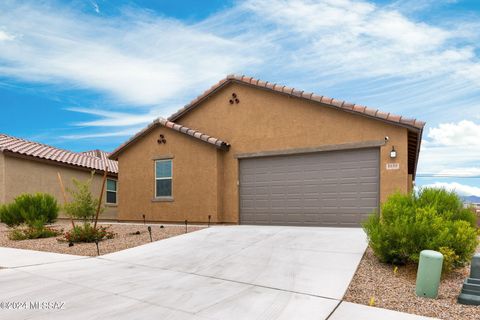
x,y
323,148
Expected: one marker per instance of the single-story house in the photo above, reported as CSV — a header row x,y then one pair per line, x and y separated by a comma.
x,y
253,152
30,167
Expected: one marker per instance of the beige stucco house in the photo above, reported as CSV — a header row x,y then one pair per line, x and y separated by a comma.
x,y
30,167
252,152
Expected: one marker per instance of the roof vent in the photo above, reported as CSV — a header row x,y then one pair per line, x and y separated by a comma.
x,y
234,99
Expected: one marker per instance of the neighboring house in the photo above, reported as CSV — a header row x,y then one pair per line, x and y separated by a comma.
x,y
253,152
475,206
29,167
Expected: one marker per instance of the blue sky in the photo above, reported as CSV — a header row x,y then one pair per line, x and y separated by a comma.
x,y
88,74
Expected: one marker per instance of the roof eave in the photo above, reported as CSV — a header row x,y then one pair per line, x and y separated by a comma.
x,y
116,153
232,79
419,143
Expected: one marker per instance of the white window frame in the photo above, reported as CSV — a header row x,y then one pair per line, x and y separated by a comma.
x,y
164,178
107,191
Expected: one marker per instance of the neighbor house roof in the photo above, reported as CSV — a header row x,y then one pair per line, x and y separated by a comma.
x,y
97,153
414,126
174,126
95,161
338,104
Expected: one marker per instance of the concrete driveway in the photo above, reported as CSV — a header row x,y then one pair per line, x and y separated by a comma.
x,y
235,272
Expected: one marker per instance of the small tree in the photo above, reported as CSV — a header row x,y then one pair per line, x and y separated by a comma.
x,y
84,204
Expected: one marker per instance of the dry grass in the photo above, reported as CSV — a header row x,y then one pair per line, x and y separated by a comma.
x,y
396,291
124,239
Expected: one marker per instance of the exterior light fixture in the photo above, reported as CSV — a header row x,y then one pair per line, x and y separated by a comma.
x,y
393,153
150,232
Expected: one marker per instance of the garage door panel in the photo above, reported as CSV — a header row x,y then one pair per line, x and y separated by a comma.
x,y
324,189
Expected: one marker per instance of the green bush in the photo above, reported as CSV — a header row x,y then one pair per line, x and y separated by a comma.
x,y
30,209
86,233
10,214
32,232
432,219
84,205
449,258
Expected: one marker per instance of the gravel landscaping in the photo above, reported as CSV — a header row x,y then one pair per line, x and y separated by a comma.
x,y
125,238
396,290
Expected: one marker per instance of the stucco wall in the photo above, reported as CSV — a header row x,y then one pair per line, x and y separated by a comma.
x,y
195,179
205,180
2,178
29,176
264,121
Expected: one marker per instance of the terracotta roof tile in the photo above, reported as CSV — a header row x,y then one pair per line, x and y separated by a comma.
x,y
174,126
359,108
327,100
370,111
94,159
270,85
337,103
382,115
394,117
408,121
348,106
287,90
309,96
247,79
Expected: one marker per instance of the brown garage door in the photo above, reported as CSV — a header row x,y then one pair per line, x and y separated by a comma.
x,y
338,188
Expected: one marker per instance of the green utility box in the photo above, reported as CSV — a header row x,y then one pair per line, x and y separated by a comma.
x,y
429,273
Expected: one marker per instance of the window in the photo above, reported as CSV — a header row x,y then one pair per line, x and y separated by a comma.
x,y
163,178
111,191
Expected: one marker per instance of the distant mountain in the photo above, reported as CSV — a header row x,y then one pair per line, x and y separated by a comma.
x,y
471,199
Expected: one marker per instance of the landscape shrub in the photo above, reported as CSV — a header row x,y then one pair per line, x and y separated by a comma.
x,y
430,219
83,205
33,232
87,233
11,215
30,209
449,258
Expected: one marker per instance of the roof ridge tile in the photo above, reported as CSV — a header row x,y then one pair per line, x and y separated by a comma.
x,y
174,126
417,124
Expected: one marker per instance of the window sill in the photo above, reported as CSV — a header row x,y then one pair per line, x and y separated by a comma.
x,y
111,204
163,199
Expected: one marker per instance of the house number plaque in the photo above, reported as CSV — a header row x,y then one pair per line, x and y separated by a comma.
x,y
393,166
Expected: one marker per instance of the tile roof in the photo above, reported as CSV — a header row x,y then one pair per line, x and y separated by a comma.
x,y
87,159
97,153
339,104
174,126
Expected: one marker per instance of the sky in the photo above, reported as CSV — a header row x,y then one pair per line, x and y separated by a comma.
x,y
86,74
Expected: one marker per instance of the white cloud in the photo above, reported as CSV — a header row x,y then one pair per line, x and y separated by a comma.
x,y
95,7
112,119
355,50
109,134
4,36
135,58
463,133
451,149
461,189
